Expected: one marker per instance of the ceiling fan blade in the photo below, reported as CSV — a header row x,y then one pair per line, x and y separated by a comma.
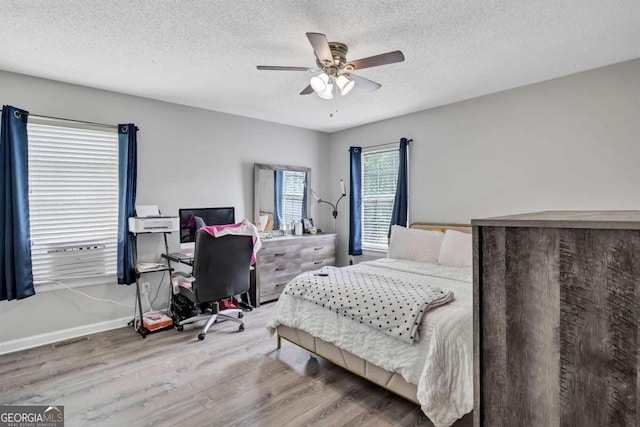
x,y
374,61
307,90
278,68
321,47
363,83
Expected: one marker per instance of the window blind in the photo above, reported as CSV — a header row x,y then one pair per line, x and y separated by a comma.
x,y
292,195
379,180
73,201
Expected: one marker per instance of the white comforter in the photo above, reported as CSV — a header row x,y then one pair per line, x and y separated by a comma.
x,y
440,364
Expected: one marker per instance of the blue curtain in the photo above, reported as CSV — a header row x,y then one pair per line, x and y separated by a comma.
x,y
127,177
15,241
304,198
355,202
399,214
277,198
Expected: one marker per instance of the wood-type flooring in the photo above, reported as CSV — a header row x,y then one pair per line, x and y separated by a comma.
x,y
117,378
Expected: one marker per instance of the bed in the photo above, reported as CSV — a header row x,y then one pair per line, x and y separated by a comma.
x,y
435,371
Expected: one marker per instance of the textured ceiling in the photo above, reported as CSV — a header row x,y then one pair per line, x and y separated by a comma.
x,y
204,53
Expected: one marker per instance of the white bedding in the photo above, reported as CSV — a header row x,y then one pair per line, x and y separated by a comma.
x,y
440,364
388,304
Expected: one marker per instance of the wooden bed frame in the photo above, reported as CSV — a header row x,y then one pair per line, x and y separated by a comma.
x,y
355,364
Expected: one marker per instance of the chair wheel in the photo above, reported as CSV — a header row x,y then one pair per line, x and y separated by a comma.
x,y
180,328
240,315
240,328
201,336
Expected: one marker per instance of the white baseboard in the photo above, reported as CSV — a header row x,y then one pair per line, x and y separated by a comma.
x,y
65,334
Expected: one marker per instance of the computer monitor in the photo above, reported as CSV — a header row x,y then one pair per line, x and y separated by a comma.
x,y
191,220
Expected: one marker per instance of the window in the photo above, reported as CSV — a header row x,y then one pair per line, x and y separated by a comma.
x,y
379,180
73,201
292,195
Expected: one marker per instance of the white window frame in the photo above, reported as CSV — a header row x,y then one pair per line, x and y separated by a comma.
x,y
367,246
292,196
43,231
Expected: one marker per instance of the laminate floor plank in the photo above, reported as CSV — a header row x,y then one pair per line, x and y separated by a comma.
x,y
170,378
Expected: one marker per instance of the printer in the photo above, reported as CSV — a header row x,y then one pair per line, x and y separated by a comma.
x,y
153,224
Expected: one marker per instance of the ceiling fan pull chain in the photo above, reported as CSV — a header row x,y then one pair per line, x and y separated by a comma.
x,y
335,97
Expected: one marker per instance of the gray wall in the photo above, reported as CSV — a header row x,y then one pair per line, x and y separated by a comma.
x,y
568,143
187,157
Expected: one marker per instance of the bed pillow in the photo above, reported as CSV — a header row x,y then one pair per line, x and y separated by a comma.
x,y
456,249
414,245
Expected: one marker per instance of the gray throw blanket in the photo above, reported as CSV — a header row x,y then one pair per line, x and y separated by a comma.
x,y
389,305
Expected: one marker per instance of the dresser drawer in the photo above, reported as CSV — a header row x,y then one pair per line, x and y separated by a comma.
x,y
272,289
317,241
278,253
274,276
318,263
317,252
276,270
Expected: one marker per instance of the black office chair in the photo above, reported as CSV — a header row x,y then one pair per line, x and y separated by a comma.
x,y
221,270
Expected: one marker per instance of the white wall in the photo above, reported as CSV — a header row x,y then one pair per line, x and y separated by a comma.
x,y
187,157
568,143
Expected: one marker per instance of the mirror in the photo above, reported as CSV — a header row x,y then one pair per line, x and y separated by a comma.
x,y
281,193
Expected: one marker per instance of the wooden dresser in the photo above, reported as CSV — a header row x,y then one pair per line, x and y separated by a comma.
x,y
283,258
556,319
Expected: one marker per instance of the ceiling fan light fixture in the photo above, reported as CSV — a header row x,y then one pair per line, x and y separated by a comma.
x,y
344,84
335,70
327,93
319,83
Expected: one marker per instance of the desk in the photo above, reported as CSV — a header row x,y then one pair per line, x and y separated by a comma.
x,y
185,258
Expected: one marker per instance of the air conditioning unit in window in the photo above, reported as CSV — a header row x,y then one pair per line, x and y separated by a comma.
x,y
159,224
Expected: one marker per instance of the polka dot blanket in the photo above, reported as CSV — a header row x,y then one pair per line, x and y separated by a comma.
x,y
391,305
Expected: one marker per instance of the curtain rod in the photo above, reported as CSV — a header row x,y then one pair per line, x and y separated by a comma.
x,y
382,145
36,116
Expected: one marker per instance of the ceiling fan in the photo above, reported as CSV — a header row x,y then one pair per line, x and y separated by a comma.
x,y
335,70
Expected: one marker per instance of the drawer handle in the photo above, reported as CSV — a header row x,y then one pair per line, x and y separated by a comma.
x,y
280,268
318,262
279,254
280,285
317,249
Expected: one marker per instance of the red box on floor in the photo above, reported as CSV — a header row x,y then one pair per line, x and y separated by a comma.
x,y
156,321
